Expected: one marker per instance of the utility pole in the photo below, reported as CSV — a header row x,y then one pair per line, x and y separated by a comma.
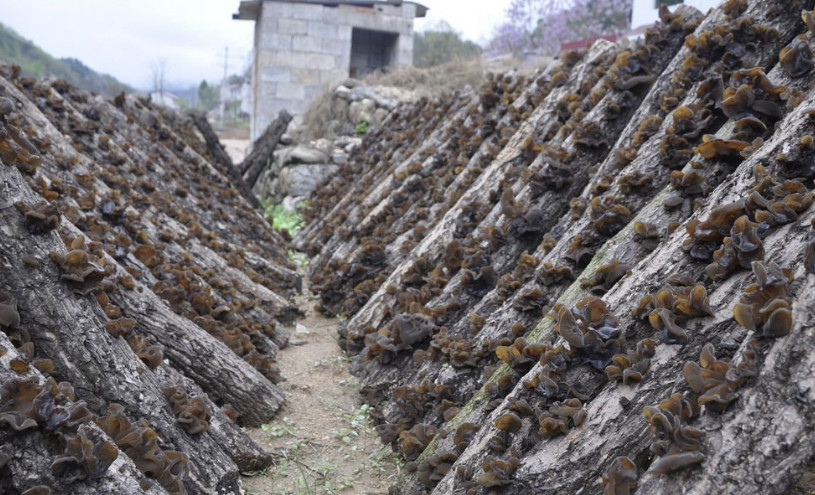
x,y
223,85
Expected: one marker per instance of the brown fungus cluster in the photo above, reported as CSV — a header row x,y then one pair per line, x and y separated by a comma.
x,y
716,380
765,306
41,216
140,443
82,267
669,308
16,149
497,471
678,445
520,354
435,467
403,333
27,404
412,442
87,455
797,58
620,477
633,365
606,276
192,412
592,332
609,214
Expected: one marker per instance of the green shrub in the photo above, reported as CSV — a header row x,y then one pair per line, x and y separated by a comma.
x,y
361,127
282,218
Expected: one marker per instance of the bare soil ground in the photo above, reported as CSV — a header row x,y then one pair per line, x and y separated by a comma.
x,y
325,437
235,148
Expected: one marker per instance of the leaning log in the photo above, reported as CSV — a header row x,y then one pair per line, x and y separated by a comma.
x,y
263,149
216,149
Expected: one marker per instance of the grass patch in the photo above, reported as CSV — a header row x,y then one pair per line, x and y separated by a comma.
x,y
281,218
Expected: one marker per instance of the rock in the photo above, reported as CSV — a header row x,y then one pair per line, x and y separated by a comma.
x,y
368,105
299,180
342,92
353,144
361,93
286,139
339,158
354,111
289,203
351,83
396,94
305,154
341,141
267,187
324,145
301,329
379,116
344,141
347,129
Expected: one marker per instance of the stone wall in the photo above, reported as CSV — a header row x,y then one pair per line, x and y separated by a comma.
x,y
301,48
300,163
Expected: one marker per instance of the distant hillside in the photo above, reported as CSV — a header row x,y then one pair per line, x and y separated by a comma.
x,y
14,49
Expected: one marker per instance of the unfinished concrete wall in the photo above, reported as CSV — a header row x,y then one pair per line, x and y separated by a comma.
x,y
302,47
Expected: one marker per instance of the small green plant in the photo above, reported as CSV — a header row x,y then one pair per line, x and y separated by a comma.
x,y
361,416
300,258
277,430
282,218
362,127
345,435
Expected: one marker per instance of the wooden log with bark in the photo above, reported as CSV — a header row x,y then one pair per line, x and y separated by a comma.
x,y
263,149
216,149
85,267
615,424
425,340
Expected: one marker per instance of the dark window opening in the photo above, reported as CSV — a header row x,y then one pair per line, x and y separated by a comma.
x,y
372,51
660,3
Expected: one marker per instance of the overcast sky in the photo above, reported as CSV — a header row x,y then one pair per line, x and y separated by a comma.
x,y
127,38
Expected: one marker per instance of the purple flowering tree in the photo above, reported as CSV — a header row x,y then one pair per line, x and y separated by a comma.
x,y
542,25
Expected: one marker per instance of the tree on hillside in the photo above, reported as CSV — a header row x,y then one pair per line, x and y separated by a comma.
x,y
542,25
158,70
208,96
441,44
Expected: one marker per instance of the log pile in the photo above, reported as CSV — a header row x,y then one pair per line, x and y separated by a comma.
x,y
141,298
595,278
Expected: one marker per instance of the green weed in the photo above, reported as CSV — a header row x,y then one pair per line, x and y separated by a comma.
x,y
362,127
281,218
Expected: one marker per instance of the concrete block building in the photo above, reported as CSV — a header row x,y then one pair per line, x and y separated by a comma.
x,y
303,46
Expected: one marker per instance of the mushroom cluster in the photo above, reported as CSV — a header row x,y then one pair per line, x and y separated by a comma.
x,y
592,332
140,443
765,306
716,380
669,308
192,412
678,445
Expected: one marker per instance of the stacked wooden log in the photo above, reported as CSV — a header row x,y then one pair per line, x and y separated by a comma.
x,y
141,298
614,290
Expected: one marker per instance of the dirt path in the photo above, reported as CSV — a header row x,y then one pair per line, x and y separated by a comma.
x,y
235,148
324,433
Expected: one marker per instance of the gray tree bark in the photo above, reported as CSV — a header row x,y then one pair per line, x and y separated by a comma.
x,y
263,149
216,149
